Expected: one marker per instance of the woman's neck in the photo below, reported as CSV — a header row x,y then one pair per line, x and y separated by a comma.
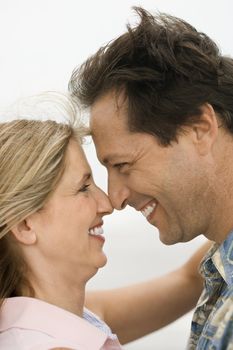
x,y
60,291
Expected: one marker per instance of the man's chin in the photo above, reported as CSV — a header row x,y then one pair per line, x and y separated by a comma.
x,y
165,235
177,237
167,239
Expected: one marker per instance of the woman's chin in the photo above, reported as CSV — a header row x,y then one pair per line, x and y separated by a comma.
x,y
99,262
102,261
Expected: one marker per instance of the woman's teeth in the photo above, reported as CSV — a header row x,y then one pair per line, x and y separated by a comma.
x,y
148,210
96,231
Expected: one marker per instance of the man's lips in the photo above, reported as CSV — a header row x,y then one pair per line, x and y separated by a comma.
x,y
148,209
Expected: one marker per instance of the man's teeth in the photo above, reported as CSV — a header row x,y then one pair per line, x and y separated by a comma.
x,y
96,231
148,210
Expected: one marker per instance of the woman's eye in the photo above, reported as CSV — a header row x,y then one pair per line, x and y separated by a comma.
x,y
84,188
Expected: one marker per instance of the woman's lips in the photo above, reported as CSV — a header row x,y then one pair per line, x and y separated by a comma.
x,y
97,232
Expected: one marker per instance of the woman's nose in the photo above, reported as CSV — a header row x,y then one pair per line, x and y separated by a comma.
x,y
104,205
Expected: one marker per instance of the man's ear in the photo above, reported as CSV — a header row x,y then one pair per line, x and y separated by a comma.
x,y
205,130
24,233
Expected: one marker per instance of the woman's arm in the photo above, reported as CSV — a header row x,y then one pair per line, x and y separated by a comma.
x,y
140,309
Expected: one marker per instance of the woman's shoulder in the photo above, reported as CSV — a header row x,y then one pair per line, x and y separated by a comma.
x,y
26,339
31,324
21,339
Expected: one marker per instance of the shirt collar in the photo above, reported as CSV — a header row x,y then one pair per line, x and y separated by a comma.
x,y
219,261
30,313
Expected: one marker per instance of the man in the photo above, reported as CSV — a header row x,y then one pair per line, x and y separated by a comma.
x,y
161,104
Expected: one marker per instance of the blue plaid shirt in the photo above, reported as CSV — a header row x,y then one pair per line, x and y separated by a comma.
x,y
212,324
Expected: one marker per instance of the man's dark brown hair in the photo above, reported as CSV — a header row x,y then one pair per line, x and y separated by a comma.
x,y
166,69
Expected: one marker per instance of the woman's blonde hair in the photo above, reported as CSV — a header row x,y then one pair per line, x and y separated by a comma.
x,y
32,154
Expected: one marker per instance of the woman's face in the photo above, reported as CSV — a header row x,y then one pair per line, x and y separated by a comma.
x,y
69,227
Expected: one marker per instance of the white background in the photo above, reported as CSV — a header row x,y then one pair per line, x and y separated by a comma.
x,y
41,41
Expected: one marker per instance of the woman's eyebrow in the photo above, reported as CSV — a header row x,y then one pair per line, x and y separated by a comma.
x,y
84,178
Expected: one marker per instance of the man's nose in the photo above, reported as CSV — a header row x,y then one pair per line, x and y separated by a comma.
x,y
118,193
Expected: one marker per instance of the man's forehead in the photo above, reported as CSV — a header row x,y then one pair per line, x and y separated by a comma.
x,y
109,106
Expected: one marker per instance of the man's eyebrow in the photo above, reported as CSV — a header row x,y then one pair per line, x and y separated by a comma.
x,y
114,157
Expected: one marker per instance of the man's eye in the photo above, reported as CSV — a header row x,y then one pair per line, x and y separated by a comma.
x,y
120,165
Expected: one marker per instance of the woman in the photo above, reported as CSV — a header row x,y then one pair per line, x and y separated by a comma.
x,y
51,218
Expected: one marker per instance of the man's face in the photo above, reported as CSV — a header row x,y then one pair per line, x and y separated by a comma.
x,y
167,184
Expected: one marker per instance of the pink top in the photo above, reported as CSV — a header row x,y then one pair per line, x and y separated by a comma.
x,y
32,324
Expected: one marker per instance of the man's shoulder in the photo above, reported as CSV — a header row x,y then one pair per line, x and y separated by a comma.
x,y
218,330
